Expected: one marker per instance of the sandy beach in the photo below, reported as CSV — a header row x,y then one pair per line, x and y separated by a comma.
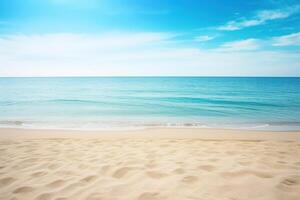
x,y
204,164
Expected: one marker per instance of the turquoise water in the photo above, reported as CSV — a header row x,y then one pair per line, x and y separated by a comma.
x,y
121,103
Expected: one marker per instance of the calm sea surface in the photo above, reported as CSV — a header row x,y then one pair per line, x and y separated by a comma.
x,y
126,103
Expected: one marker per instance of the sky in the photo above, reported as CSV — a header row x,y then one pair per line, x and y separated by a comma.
x,y
149,38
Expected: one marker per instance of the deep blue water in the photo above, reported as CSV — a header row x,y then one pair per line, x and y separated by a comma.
x,y
100,103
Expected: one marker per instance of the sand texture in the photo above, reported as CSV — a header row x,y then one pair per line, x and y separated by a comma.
x,y
138,168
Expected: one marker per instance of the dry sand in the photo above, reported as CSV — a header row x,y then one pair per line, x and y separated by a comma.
x,y
173,164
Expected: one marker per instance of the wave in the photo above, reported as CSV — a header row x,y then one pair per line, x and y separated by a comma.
x,y
149,100
130,125
218,101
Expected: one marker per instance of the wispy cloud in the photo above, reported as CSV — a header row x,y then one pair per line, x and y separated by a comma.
x,y
241,45
135,54
253,44
260,18
287,40
73,44
204,38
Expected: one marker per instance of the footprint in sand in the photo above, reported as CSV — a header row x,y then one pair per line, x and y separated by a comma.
x,y
150,196
81,183
190,179
88,179
179,171
39,174
213,159
244,163
208,168
290,183
25,189
155,174
53,166
62,198
6,181
56,184
297,163
121,172
44,196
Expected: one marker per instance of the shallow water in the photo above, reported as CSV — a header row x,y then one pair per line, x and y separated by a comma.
x,y
122,103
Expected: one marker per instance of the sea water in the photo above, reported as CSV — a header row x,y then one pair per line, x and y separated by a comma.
x,y
145,102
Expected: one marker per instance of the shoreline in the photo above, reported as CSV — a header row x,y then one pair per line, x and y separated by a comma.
x,y
131,126
153,133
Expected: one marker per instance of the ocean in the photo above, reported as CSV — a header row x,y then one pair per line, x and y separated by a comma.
x,y
118,103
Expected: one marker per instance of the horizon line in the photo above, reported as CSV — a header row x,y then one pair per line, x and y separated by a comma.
x,y
155,76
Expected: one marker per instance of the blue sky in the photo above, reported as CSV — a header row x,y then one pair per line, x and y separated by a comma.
x,y
138,37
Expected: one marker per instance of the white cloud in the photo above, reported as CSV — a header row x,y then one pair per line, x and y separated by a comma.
x,y
241,45
69,45
260,18
204,38
287,40
134,54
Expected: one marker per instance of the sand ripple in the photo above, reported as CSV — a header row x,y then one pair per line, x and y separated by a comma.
x,y
149,169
